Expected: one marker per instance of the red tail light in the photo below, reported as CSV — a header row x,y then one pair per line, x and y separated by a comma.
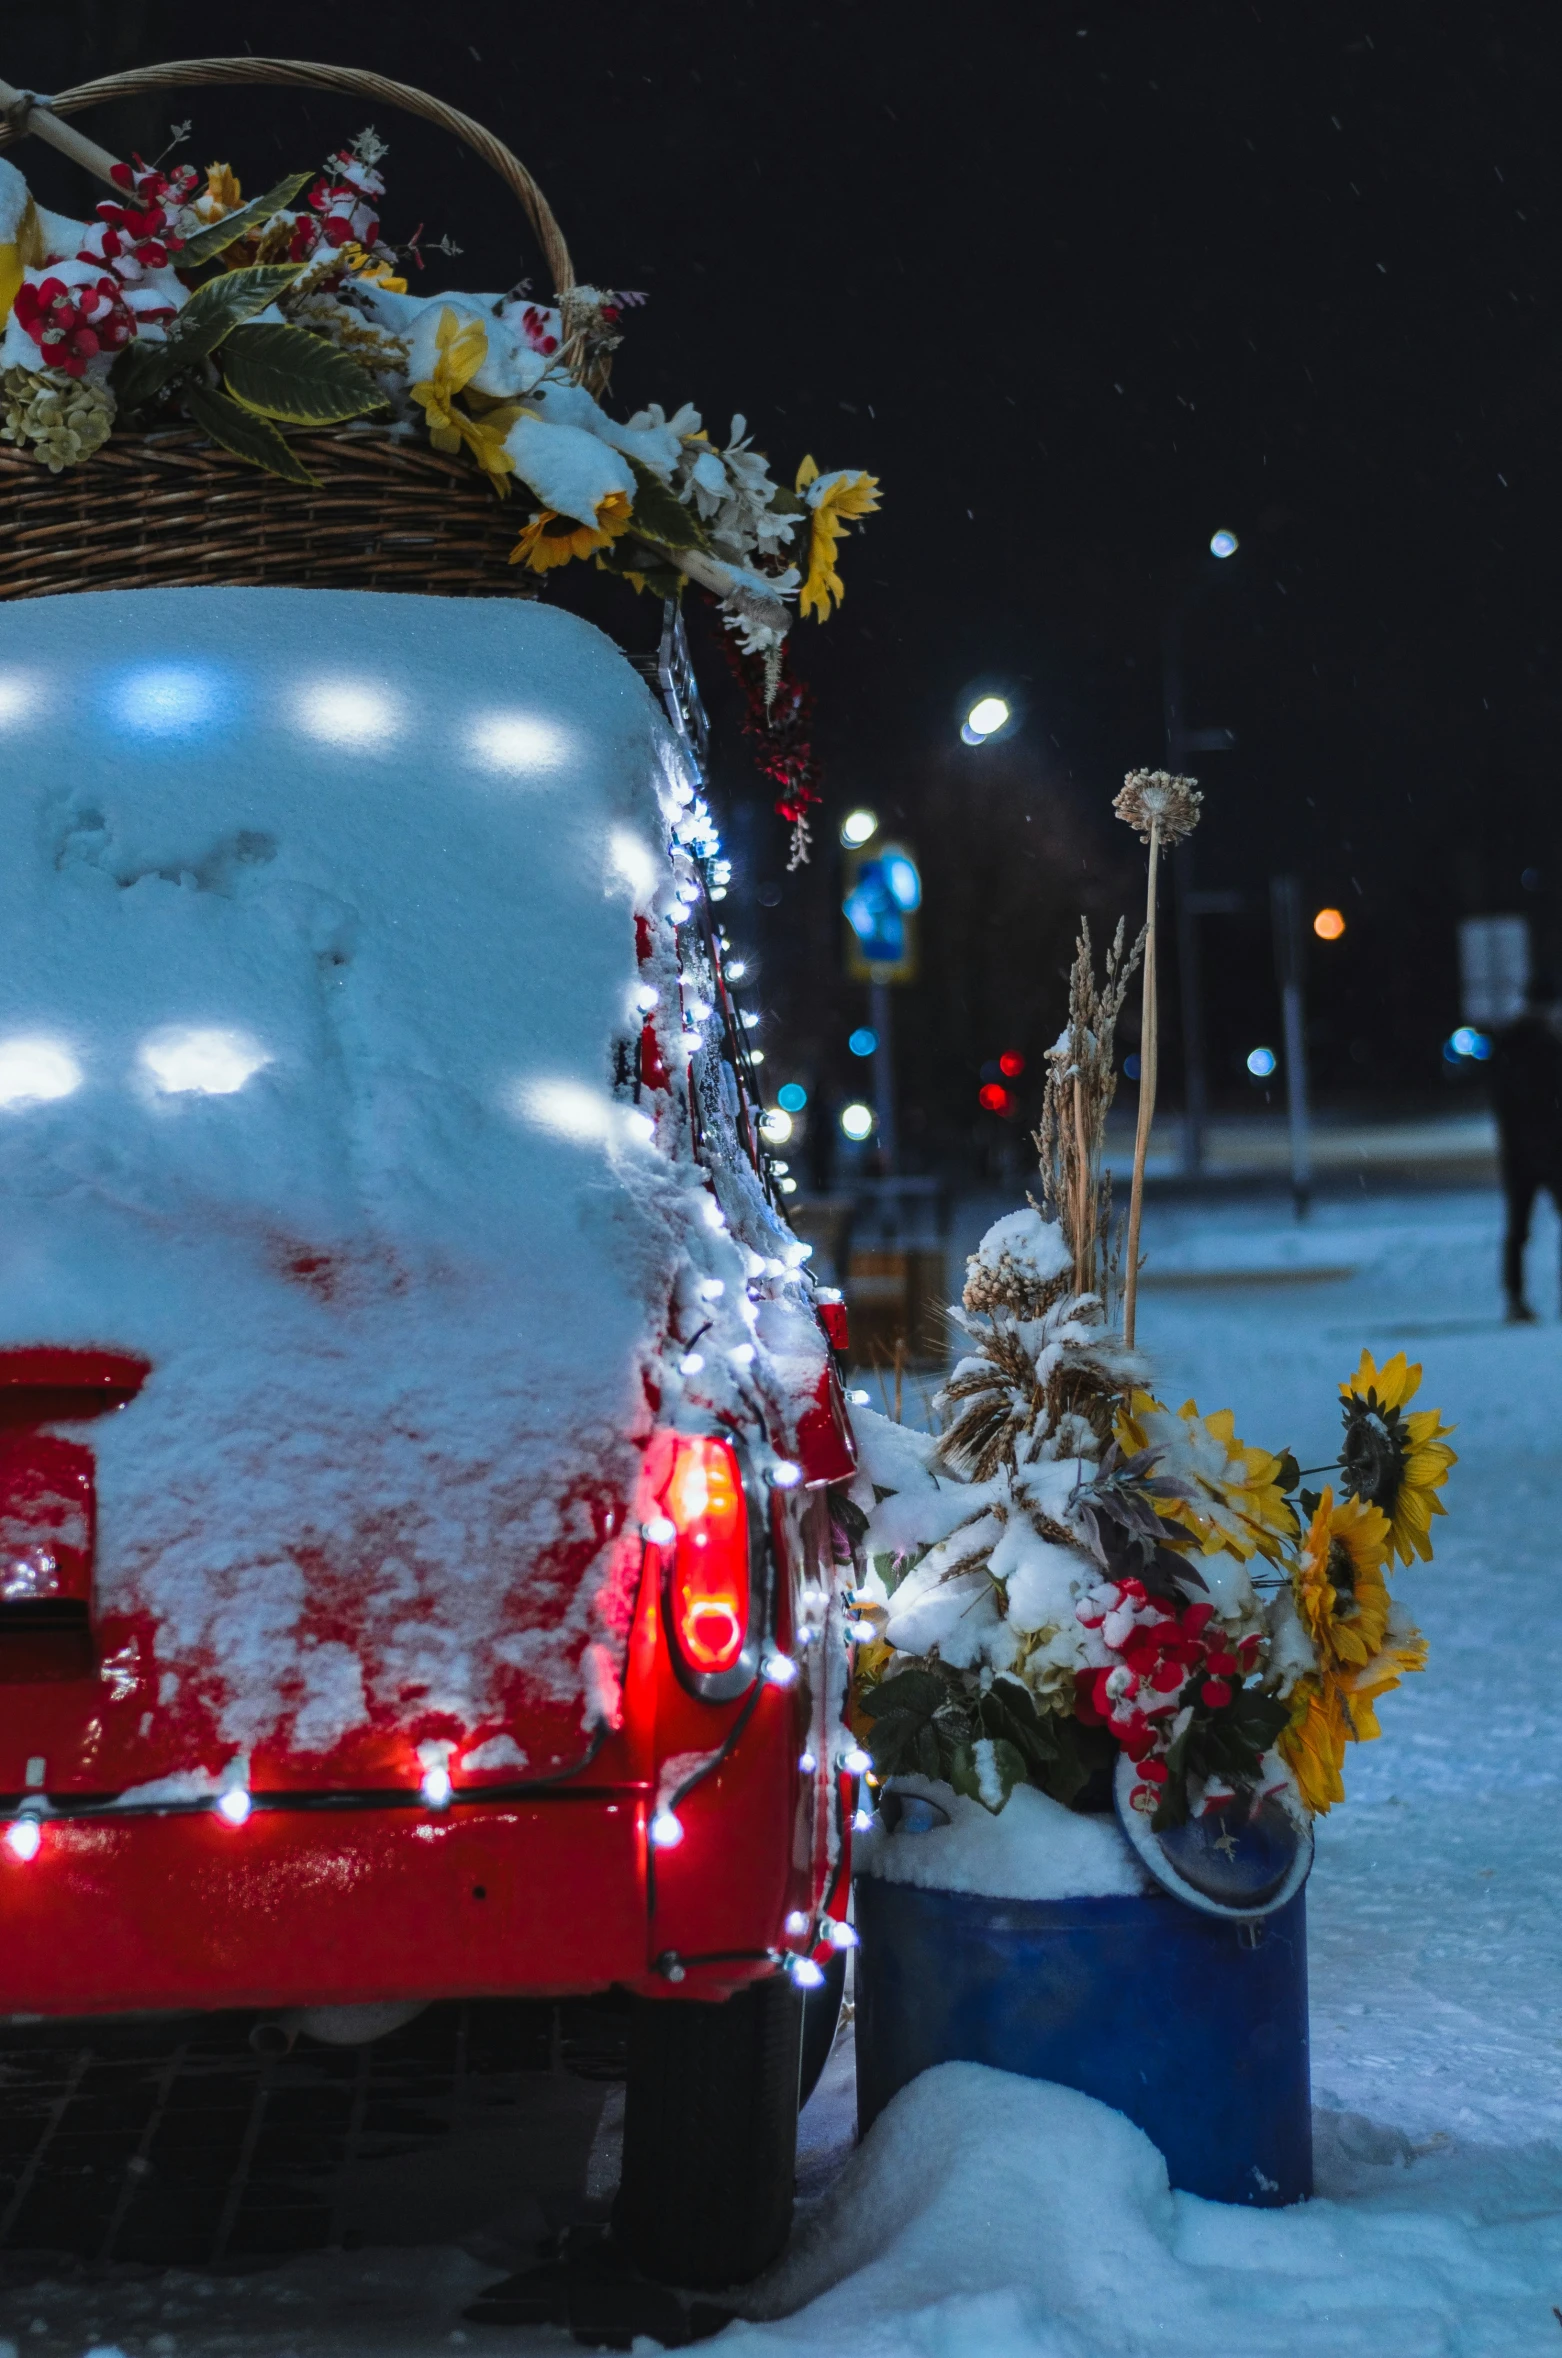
x,y
701,1536
48,1504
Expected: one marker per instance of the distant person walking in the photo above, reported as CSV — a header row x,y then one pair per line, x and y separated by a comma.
x,y
1526,1086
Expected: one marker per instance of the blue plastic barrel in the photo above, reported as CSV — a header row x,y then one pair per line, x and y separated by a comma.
x,y
1193,2025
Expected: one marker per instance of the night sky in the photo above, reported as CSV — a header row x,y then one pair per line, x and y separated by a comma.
x,y
1080,285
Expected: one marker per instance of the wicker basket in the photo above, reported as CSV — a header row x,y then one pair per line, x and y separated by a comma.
x,y
169,508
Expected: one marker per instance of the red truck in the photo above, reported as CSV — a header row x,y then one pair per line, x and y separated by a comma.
x,y
420,1575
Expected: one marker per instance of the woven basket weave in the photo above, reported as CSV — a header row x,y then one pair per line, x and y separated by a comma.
x,y
169,508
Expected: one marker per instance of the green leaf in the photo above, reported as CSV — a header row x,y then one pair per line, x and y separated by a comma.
x,y
139,374
222,304
246,435
1290,1472
917,1691
660,515
287,373
227,232
1006,1765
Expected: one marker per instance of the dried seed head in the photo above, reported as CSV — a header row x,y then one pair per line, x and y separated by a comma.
x,y
1156,799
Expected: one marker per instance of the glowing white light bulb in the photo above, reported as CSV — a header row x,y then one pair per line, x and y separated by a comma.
x,y
1223,544
437,1788
34,1071
781,1670
742,1355
737,968
839,1935
776,1126
712,1289
857,1121
856,1762
647,997
987,716
23,1838
857,826
806,1764
805,1973
789,1187
862,1823
858,1399
659,1530
784,1475
666,1830
796,1924
235,1805
199,1062
861,1633
691,1363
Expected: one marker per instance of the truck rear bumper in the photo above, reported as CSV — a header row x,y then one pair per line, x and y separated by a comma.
x,y
325,1908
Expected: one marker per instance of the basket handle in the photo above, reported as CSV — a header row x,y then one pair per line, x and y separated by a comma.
x,y
21,107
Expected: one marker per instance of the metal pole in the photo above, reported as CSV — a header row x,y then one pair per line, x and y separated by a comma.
x,y
1285,901
879,994
1195,1083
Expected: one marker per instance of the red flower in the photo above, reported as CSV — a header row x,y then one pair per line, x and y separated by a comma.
x,y
1216,1693
72,325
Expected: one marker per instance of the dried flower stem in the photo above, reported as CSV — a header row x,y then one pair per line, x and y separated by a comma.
x,y
1149,1050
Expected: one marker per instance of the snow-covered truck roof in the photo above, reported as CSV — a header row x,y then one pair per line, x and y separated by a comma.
x,y
317,946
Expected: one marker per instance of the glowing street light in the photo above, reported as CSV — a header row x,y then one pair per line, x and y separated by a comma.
x,y
1223,544
857,826
986,717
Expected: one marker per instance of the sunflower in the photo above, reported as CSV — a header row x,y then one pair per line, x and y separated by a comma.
x,y
1342,1598
1363,1646
1393,1460
1313,1745
1233,1498
551,539
836,498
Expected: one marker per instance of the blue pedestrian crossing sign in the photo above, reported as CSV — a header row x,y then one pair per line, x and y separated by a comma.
x,y
883,893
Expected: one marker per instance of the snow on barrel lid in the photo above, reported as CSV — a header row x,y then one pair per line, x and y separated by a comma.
x,y
316,933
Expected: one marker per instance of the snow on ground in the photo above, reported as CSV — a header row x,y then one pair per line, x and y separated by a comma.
x,y
990,2217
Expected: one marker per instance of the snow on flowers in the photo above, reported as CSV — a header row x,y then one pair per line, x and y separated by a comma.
x,y
1071,1570
292,310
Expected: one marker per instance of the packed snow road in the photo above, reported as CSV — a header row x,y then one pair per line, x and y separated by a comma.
x,y
989,2217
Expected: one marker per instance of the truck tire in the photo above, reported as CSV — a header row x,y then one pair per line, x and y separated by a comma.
x,y
710,2134
821,2021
